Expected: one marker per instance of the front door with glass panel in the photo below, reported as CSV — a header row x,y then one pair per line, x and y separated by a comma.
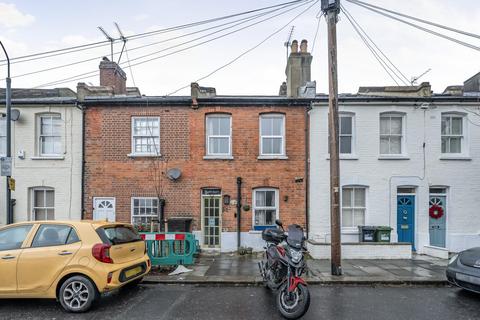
x,y
437,217
211,217
104,209
406,219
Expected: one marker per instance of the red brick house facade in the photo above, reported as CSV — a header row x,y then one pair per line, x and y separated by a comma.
x,y
197,153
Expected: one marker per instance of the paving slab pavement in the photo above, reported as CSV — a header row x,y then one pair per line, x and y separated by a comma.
x,y
233,269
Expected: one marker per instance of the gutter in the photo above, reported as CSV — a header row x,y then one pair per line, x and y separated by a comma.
x,y
239,210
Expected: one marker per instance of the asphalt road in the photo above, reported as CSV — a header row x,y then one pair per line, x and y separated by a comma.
x,y
328,302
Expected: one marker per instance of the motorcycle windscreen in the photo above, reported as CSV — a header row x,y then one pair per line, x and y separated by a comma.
x,y
295,236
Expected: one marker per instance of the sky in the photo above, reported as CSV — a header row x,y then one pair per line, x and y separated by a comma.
x,y
28,27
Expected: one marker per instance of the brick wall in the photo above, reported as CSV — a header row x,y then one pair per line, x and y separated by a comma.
x,y
110,172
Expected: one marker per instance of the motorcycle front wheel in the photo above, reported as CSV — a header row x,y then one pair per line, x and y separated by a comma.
x,y
293,305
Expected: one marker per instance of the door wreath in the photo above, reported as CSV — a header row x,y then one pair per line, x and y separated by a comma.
x,y
435,211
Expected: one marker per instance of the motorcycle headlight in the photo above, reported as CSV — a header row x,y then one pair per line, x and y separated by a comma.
x,y
296,255
452,259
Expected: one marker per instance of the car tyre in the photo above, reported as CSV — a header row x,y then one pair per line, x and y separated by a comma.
x,y
77,294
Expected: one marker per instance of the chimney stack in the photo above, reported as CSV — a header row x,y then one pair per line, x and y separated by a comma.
x,y
298,68
112,75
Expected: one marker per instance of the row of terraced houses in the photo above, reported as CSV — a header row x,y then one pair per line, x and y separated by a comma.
x,y
225,167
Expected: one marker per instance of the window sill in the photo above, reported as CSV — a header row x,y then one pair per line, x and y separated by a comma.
x,y
48,158
346,157
393,157
219,157
459,157
143,155
350,231
255,232
273,157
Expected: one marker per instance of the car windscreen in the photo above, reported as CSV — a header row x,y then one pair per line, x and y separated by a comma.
x,y
118,234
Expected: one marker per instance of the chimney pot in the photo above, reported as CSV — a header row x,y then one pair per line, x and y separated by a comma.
x,y
304,46
294,46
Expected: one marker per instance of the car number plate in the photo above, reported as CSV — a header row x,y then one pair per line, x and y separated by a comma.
x,y
133,272
469,279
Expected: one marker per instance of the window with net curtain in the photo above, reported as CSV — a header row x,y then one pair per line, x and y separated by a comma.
x,y
146,135
43,203
265,209
50,135
144,210
452,133
272,135
353,207
219,135
391,134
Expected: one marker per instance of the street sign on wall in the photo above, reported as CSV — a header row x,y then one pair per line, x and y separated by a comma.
x,y
6,166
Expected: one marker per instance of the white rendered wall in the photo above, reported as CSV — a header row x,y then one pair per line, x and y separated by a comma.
x,y
64,175
382,177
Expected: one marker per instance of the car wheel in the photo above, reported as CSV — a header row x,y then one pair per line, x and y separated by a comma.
x,y
77,294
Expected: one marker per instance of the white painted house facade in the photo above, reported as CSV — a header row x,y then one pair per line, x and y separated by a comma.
x,y
408,162
46,156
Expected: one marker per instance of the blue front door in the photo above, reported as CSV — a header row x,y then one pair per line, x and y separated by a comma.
x,y
406,219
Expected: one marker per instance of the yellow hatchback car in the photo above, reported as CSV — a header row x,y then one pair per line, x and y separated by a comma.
x,y
72,261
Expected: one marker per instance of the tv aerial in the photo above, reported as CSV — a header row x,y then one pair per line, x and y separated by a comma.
x,y
414,80
289,39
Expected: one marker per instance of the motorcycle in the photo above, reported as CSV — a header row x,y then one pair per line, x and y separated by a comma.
x,y
282,268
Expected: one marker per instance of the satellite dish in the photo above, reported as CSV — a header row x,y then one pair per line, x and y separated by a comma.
x,y
15,114
174,173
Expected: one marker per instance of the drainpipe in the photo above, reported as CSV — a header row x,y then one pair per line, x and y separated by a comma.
x,y
162,215
307,170
82,212
239,209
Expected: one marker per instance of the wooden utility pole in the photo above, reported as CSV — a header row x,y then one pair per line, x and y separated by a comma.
x,y
331,9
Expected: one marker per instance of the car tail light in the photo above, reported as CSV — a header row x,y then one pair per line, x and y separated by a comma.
x,y
101,252
109,277
148,263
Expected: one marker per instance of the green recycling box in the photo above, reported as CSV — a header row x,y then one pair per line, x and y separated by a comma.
x,y
382,234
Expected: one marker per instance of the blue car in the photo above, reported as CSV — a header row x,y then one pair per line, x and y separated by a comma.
x,y
464,270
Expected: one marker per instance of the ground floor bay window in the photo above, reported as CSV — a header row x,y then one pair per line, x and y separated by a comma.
x,y
265,208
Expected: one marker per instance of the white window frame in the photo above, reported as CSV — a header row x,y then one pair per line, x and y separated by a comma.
x,y
133,136
463,136
132,207
254,206
34,208
40,135
207,136
283,151
352,135
3,137
402,135
353,229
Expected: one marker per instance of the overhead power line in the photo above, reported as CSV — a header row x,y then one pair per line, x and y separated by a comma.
x,y
468,45
92,73
247,51
438,25
41,55
242,20
396,71
382,63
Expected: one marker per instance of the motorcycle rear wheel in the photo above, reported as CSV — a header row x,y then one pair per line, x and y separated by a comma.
x,y
293,305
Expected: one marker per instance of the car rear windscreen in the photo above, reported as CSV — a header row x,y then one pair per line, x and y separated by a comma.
x,y
118,234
